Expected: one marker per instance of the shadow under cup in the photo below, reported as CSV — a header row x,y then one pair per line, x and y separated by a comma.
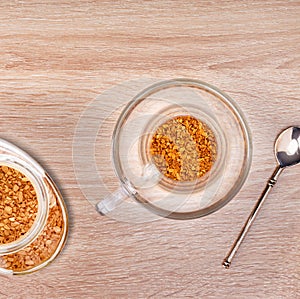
x,y
141,179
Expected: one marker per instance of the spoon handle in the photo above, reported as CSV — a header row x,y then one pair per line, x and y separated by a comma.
x,y
272,181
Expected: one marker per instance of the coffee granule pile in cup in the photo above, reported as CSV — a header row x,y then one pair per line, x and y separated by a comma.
x,y
183,148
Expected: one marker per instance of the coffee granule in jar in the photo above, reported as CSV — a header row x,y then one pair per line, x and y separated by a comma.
x,y
18,205
183,148
43,248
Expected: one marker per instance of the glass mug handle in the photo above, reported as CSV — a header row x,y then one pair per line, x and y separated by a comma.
x,y
110,202
148,179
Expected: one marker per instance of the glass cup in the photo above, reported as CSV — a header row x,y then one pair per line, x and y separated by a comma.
x,y
140,177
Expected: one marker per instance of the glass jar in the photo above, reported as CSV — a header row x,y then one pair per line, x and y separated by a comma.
x,y
46,236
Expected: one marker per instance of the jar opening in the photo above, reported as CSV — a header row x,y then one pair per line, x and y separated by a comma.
x,y
24,204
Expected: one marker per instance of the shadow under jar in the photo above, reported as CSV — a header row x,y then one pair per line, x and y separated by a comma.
x,y
33,216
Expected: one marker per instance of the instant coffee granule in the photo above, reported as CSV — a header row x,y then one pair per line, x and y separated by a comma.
x,y
183,148
18,205
43,248
18,210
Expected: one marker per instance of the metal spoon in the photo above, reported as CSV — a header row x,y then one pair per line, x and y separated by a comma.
x,y
287,151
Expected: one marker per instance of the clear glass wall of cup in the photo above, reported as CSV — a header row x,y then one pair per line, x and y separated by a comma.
x,y
139,177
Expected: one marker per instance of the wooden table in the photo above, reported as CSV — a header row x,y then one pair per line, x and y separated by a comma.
x,y
57,56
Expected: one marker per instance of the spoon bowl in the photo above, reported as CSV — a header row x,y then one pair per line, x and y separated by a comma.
x,y
287,147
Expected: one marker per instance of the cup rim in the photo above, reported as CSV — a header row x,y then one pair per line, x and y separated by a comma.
x,y
183,82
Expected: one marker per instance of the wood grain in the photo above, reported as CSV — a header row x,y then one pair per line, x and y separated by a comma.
x,y
57,56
